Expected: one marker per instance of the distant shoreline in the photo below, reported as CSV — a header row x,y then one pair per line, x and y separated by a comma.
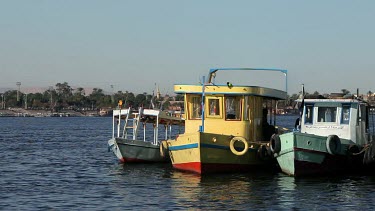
x,y
43,113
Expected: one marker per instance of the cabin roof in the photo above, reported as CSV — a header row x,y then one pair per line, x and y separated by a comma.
x,y
329,100
234,90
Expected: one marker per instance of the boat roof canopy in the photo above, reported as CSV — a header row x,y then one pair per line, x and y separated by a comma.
x,y
212,72
236,90
210,88
329,101
150,116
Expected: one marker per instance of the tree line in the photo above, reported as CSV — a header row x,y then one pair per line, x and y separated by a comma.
x,y
63,96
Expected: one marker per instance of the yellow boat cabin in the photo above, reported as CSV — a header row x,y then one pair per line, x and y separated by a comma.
x,y
227,127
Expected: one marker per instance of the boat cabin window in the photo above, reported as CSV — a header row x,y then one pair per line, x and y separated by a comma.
x,y
327,114
309,111
213,107
247,107
232,108
345,114
195,107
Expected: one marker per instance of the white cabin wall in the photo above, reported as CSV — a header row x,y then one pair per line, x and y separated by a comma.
x,y
345,131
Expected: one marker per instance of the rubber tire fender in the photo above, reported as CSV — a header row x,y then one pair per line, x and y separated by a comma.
x,y
163,148
233,149
275,143
333,144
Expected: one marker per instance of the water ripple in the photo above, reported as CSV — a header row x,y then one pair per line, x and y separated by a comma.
x,y
63,164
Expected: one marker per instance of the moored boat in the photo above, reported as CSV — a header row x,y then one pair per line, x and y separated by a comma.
x,y
227,126
131,139
332,136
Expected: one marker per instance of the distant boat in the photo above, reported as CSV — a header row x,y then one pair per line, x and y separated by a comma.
x,y
332,137
129,146
227,127
105,112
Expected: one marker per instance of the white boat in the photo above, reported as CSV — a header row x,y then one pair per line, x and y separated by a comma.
x,y
335,135
131,140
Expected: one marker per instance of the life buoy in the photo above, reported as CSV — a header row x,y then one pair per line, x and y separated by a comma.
x,y
233,149
163,148
333,144
275,143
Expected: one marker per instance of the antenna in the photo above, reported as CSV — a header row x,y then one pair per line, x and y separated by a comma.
x,y
18,90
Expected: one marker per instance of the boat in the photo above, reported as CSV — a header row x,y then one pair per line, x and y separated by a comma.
x,y
227,126
136,134
331,136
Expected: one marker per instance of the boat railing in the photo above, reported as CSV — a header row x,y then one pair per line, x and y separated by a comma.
x,y
127,123
213,71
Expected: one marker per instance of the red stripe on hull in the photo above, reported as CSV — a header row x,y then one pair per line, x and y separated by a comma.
x,y
199,168
192,167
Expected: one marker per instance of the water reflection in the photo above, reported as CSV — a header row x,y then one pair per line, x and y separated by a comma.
x,y
286,195
215,191
225,191
327,192
167,188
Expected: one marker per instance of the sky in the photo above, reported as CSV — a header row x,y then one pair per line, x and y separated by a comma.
x,y
327,45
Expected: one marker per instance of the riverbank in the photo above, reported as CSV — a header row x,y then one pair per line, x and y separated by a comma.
x,y
18,112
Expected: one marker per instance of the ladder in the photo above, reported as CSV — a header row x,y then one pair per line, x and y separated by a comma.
x,y
131,131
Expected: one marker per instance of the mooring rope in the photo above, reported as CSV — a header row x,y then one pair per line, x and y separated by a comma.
x,y
363,150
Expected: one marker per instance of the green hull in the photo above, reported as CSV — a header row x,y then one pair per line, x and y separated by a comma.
x,y
138,151
304,154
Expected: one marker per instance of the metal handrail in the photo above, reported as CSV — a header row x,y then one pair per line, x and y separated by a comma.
x,y
213,71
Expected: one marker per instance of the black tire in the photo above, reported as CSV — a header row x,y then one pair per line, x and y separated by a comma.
x,y
275,143
333,144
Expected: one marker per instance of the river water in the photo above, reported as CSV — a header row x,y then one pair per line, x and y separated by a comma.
x,y
63,164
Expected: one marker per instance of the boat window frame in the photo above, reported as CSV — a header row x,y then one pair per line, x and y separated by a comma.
x,y
218,114
325,114
193,106
305,113
237,111
342,121
246,106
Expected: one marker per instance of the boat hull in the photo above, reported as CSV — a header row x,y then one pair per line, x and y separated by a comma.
x,y
210,153
306,154
136,151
